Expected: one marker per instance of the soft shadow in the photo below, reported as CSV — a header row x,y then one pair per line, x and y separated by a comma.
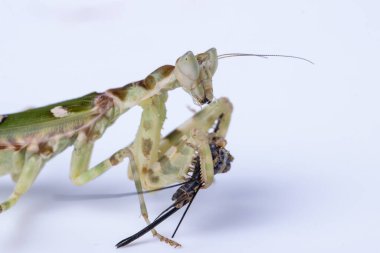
x,y
251,203
42,200
26,222
227,205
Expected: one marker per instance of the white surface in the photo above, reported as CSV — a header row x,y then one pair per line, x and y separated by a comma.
x,y
305,137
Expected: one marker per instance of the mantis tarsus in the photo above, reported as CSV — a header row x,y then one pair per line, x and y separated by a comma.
x,y
30,138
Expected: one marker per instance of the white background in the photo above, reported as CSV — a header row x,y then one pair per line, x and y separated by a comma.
x,y
305,137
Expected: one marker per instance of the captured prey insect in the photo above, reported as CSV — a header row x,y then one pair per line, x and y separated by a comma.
x,y
187,191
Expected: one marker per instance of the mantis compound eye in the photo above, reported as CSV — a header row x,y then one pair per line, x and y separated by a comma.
x,y
187,70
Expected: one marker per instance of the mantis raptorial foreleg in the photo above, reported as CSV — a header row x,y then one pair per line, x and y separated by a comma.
x,y
176,151
201,122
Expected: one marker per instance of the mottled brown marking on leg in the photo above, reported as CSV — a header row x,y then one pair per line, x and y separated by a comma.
x,y
149,82
146,84
174,135
120,93
87,131
45,149
164,70
147,147
94,135
145,170
114,160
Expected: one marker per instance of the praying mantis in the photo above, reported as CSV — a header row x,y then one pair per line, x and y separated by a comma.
x,y
31,138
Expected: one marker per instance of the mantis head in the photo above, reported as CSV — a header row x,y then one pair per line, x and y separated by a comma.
x,y
194,73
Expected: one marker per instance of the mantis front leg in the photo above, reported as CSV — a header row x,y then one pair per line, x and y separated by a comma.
x,y
155,163
199,126
168,162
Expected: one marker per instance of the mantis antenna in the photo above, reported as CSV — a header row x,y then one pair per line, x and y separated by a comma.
x,y
222,56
